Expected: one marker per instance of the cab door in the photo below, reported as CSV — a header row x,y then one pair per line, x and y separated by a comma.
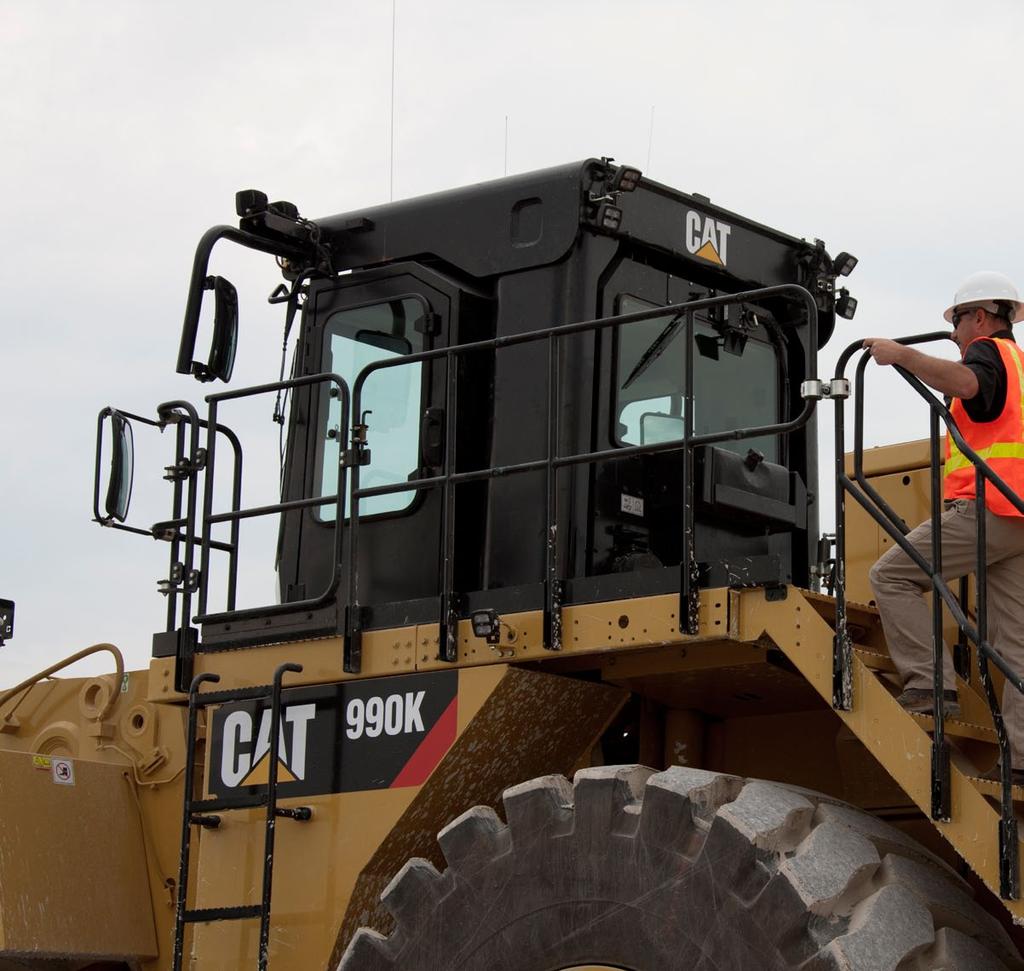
x,y
383,315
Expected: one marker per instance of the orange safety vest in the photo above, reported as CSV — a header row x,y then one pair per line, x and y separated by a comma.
x,y
1000,443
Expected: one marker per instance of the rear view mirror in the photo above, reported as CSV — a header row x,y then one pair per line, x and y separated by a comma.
x,y
221,361
122,464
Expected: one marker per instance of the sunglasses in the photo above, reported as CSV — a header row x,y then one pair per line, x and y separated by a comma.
x,y
959,315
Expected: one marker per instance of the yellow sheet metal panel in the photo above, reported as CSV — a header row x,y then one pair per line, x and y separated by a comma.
x,y
73,880
884,459
895,738
355,804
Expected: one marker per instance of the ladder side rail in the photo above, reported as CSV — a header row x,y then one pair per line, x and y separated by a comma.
x,y
186,818
272,811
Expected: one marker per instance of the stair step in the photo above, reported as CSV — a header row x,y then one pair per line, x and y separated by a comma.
x,y
875,659
995,789
957,728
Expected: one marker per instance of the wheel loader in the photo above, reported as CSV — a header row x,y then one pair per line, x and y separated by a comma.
x,y
561,673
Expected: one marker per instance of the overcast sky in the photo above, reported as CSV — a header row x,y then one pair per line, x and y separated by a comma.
x,y
892,130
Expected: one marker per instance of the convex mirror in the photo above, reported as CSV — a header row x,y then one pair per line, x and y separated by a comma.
x,y
117,431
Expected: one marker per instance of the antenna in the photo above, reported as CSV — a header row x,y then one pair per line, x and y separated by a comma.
x,y
650,142
506,144
392,182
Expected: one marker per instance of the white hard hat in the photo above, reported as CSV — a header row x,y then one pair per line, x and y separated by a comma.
x,y
983,288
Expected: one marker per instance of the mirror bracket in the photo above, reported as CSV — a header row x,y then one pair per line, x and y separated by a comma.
x,y
184,468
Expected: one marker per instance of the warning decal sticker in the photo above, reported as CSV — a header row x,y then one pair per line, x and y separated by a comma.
x,y
374,734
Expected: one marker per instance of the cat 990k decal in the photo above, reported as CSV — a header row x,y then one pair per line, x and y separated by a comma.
x,y
375,734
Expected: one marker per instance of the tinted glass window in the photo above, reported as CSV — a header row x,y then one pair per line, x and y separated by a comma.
x,y
352,340
730,390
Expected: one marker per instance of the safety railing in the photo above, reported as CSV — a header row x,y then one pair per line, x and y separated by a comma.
x,y
552,462
236,514
183,581
976,633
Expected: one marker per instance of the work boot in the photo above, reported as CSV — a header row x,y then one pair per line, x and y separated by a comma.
x,y
920,701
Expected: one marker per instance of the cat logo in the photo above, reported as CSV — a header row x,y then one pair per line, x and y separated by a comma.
x,y
245,764
707,237
376,734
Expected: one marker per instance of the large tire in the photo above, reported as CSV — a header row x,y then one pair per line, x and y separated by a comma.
x,y
680,869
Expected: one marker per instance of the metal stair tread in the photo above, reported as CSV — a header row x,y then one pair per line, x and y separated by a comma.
x,y
995,789
955,727
874,659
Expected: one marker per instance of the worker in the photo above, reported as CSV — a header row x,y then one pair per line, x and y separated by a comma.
x,y
986,388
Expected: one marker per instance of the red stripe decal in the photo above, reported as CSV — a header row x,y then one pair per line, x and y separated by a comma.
x,y
431,750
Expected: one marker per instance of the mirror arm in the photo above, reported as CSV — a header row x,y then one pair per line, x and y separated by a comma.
x,y
197,284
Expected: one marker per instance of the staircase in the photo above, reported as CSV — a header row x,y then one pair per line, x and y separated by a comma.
x,y
801,626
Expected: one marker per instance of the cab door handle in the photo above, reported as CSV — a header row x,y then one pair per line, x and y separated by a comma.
x,y
432,438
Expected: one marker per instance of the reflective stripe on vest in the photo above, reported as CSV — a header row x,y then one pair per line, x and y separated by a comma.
x,y
1000,442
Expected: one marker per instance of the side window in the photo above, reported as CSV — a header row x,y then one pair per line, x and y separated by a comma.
x,y
352,340
729,390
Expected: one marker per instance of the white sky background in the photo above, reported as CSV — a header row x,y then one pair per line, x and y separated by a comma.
x,y
892,130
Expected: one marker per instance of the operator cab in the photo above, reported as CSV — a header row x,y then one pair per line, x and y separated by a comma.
x,y
574,385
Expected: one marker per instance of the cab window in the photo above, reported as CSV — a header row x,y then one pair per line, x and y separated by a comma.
x,y
353,339
730,390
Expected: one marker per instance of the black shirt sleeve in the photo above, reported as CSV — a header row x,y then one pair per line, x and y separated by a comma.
x,y
984,360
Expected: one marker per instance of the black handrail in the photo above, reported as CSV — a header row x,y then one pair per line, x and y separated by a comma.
x,y
236,514
893,525
449,478
180,528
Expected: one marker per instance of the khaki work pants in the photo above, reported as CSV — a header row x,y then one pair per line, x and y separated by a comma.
x,y
899,586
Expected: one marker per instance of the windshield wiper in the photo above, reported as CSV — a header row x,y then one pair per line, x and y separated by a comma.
x,y
654,351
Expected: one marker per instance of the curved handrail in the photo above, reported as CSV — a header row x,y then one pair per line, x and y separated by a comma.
x,y
53,668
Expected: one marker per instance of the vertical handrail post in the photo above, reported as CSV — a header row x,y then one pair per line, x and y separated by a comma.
x,y
940,807
1009,859
448,627
689,596
552,582
842,679
353,648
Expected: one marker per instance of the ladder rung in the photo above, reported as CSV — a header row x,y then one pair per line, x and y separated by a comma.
x,y
227,803
234,694
223,913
